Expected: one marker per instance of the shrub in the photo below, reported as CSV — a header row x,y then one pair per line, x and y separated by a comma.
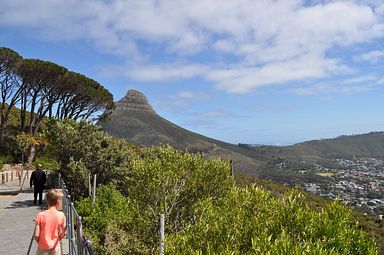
x,y
47,163
114,223
82,149
168,181
251,221
161,180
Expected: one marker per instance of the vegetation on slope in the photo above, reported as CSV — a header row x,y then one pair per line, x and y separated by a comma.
x,y
205,213
370,224
252,221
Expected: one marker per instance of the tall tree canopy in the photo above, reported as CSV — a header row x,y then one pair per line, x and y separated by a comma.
x,y
10,85
45,89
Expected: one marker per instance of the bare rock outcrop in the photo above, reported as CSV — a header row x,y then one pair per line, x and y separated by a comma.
x,y
134,101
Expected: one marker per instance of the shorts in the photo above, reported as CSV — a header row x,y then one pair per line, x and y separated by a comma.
x,y
55,251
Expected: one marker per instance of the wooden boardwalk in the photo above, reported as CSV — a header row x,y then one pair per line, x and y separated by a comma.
x,y
17,214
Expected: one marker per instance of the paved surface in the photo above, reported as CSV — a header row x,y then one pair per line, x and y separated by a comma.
x,y
17,214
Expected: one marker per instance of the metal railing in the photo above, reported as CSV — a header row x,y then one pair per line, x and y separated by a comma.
x,y
78,243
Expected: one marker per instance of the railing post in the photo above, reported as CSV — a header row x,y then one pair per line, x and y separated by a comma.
x,y
69,223
66,202
60,184
162,227
79,236
71,206
89,185
88,246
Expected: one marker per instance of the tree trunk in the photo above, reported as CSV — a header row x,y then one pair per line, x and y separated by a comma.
x,y
32,113
31,154
2,122
23,111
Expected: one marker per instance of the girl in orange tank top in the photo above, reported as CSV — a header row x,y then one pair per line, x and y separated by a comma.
x,y
50,225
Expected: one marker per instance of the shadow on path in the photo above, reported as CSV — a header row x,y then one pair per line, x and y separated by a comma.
x,y
26,202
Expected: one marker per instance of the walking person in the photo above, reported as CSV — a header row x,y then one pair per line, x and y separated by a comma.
x,y
38,179
50,225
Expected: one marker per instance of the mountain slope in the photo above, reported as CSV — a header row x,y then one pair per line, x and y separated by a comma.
x,y
136,121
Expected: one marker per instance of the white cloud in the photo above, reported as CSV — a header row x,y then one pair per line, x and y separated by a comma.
x,y
348,86
360,79
311,90
183,100
241,80
249,43
187,94
332,89
372,56
164,72
238,78
215,114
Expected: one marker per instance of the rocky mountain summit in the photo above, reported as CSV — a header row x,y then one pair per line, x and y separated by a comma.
x,y
134,101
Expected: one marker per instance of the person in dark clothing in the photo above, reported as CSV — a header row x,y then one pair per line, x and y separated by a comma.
x,y
38,179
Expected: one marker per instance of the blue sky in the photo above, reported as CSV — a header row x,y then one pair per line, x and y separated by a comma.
x,y
245,71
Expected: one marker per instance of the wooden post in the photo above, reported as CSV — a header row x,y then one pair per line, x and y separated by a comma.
x,y
6,177
231,162
25,176
162,228
19,174
12,176
94,189
89,185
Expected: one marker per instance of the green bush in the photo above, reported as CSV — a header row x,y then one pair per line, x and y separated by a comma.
x,y
82,149
251,221
161,180
115,224
169,181
47,163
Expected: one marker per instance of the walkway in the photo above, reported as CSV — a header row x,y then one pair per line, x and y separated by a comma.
x,y
17,213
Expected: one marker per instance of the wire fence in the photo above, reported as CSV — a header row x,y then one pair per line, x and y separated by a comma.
x,y
78,242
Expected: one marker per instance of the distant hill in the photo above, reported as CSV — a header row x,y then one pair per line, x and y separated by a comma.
x,y
362,145
348,147
135,120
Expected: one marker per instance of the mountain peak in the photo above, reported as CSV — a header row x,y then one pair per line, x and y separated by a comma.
x,y
134,101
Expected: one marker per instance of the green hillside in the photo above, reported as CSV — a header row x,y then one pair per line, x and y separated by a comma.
x,y
349,147
363,145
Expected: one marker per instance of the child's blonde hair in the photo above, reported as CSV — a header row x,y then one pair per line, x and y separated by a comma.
x,y
53,196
